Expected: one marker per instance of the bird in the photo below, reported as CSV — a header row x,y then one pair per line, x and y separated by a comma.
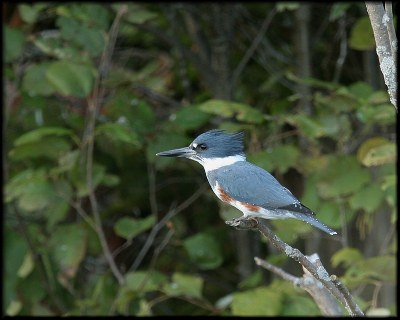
x,y
242,184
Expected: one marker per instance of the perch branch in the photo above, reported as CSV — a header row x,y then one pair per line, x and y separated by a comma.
x,y
316,270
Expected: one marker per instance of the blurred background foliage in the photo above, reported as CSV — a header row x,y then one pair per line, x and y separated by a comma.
x,y
303,82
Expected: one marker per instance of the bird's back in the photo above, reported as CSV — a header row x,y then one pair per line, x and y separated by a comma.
x,y
246,182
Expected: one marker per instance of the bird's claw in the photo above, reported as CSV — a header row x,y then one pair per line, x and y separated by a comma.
x,y
243,223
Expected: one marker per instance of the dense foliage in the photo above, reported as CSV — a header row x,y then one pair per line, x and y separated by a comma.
x,y
95,224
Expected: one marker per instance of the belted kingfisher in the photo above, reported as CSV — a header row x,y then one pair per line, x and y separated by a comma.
x,y
242,184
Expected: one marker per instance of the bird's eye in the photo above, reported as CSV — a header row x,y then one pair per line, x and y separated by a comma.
x,y
202,146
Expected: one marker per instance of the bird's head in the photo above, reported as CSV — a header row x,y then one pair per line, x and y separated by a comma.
x,y
211,146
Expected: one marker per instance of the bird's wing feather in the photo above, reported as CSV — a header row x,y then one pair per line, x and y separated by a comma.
x,y
249,183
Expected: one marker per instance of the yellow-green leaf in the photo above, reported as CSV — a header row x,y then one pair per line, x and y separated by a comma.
x,y
347,256
377,151
257,302
186,285
128,227
240,111
70,78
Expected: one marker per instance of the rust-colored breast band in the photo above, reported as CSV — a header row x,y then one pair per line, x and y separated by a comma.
x,y
224,196
250,207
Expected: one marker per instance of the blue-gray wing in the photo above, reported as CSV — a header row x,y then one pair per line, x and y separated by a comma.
x,y
246,182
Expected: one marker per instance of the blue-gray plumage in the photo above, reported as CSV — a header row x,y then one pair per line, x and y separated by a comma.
x,y
243,185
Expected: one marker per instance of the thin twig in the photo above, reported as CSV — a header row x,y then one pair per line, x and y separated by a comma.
x,y
283,274
253,47
94,106
162,222
342,50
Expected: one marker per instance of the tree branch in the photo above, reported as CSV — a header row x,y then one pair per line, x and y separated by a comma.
x,y
315,269
325,301
386,45
162,222
93,108
253,47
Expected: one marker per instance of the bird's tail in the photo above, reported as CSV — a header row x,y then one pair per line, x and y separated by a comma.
x,y
313,221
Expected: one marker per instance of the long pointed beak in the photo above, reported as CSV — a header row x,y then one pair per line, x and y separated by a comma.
x,y
181,152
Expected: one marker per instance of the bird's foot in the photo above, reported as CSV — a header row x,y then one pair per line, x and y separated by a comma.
x,y
243,223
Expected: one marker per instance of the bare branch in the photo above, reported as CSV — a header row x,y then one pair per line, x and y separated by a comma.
x,y
93,108
278,271
325,301
253,47
162,222
317,271
385,46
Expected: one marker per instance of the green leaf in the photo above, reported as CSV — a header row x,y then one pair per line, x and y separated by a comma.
x,y
29,13
71,79
190,118
343,176
252,281
87,37
137,14
361,35
296,305
142,281
368,199
383,114
27,266
118,132
308,126
14,43
124,106
347,256
370,270
287,6
50,147
257,302
110,180
204,251
377,151
14,308
361,90
79,179
280,158
186,285
378,312
129,228
68,244
35,81
14,254
329,213
31,288
240,111
38,134
67,161
56,213
338,101
32,190
90,14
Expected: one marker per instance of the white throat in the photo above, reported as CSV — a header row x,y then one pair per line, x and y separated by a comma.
x,y
216,163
